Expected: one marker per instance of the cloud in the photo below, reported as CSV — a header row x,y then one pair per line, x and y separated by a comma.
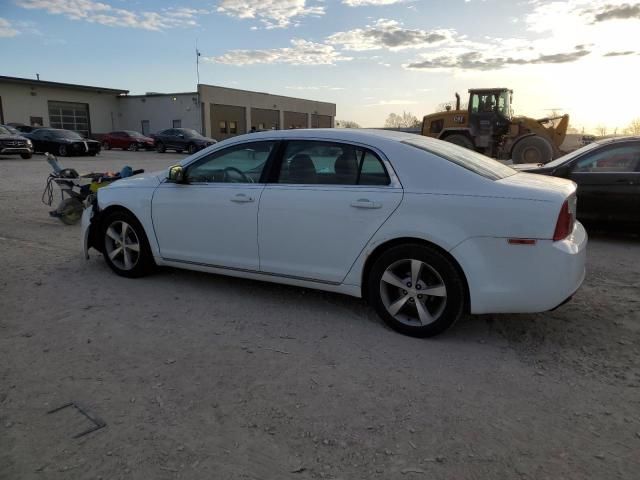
x,y
625,11
272,13
476,60
302,52
620,54
388,34
392,102
104,14
6,29
361,3
314,87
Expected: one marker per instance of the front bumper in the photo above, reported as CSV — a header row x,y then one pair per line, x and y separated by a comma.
x,y
85,228
15,150
505,278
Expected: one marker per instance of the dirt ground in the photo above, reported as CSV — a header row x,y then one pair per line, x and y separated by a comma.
x,y
204,377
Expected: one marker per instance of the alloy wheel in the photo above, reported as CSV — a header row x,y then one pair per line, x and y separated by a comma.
x,y
413,292
122,245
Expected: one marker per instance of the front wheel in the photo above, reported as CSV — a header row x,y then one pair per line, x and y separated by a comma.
x,y
532,150
126,249
192,149
62,151
106,146
416,290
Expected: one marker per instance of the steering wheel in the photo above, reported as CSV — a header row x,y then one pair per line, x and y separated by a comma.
x,y
243,177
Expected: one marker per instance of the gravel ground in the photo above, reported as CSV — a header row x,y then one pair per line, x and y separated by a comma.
x,y
200,376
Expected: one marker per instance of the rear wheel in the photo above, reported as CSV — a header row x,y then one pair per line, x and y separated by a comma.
x,y
416,290
160,148
461,140
62,151
532,150
126,249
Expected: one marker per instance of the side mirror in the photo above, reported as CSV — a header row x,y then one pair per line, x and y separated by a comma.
x,y
176,174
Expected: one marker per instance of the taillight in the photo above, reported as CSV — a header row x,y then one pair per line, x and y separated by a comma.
x,y
564,225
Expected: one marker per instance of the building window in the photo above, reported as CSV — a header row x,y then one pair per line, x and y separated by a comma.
x,y
70,116
145,127
261,126
36,121
177,124
223,126
233,127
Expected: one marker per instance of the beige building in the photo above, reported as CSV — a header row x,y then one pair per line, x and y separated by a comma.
x,y
218,112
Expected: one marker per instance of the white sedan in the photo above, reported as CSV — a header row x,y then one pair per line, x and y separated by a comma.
x,y
423,229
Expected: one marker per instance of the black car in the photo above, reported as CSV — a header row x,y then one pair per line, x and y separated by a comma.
x,y
62,142
22,128
12,144
181,139
608,176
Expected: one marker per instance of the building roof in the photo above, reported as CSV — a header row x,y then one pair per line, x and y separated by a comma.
x,y
264,93
44,83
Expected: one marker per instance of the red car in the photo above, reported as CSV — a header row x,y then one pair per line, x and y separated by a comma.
x,y
127,140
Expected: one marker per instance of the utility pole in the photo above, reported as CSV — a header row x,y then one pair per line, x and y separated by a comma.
x,y
198,88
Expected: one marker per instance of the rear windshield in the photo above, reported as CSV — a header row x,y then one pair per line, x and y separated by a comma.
x,y
474,161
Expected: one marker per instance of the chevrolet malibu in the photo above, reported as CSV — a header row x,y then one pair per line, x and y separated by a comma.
x,y
423,229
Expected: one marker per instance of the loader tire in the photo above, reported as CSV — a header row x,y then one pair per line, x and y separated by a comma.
x,y
460,140
532,150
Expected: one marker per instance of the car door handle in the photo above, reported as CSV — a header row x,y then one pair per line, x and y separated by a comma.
x,y
241,198
365,203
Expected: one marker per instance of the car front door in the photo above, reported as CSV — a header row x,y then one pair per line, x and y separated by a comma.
x,y
325,204
609,183
211,219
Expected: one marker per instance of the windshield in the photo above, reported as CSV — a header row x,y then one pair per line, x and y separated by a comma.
x,y
188,132
473,161
4,131
66,134
133,133
572,155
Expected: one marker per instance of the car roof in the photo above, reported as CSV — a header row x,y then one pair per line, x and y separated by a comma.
x,y
606,141
358,135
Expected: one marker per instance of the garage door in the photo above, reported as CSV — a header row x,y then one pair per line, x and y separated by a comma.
x,y
70,116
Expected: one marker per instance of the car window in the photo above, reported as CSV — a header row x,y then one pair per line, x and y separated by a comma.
x,y
621,159
242,163
327,163
473,161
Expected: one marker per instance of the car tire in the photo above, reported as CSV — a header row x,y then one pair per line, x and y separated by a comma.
x,y
533,149
401,305
192,149
63,151
106,146
26,156
133,147
460,140
132,261
160,148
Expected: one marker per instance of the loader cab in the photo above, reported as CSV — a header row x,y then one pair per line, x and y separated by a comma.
x,y
489,114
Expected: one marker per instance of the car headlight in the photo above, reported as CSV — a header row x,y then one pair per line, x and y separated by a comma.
x,y
29,142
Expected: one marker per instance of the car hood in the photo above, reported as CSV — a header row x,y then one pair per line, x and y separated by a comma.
x,y
12,137
143,180
536,187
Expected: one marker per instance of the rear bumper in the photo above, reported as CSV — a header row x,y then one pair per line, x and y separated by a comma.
x,y
506,278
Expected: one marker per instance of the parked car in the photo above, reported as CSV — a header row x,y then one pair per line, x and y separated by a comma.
x,y
127,140
608,176
423,229
62,142
13,144
22,128
181,139
12,130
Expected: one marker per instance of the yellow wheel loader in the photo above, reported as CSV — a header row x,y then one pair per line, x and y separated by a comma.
x,y
488,126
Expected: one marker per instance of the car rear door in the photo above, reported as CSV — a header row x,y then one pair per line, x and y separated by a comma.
x,y
212,220
322,208
609,183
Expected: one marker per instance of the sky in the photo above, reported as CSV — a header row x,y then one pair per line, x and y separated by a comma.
x,y
370,57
